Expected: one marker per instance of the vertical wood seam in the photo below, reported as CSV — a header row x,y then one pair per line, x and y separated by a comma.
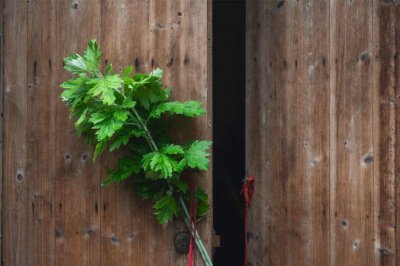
x,y
210,120
288,84
332,129
26,130
329,134
56,59
1,127
371,84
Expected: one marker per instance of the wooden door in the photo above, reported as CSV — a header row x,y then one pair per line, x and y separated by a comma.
x,y
54,211
323,132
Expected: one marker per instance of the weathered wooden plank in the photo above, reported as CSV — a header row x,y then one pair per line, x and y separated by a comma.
x,y
386,39
15,192
307,131
52,208
194,82
1,122
351,136
267,223
396,39
77,189
125,220
254,63
41,96
172,35
287,131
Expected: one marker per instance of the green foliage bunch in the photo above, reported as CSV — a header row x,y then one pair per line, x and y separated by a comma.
x,y
115,110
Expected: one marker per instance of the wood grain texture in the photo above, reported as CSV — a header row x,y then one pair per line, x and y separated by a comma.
x,y
55,212
340,101
76,191
41,95
1,119
351,134
386,34
287,131
174,36
15,186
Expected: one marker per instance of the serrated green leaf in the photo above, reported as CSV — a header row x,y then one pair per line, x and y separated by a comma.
x,y
75,83
107,129
182,165
137,132
150,189
128,166
165,209
146,160
96,118
121,115
159,162
127,71
108,69
127,103
105,88
82,118
201,195
84,128
75,64
158,72
202,202
197,156
124,135
74,89
172,149
92,55
119,141
105,124
102,106
180,184
100,147
190,109
148,90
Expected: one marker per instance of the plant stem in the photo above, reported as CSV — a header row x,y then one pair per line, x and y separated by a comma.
x,y
186,218
148,137
199,243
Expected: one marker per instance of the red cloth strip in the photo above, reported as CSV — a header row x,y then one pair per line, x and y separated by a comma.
x,y
247,192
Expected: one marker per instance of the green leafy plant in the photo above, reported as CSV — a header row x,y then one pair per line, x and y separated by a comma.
x,y
127,110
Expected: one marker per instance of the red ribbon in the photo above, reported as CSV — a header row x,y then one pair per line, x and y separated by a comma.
x,y
192,222
247,192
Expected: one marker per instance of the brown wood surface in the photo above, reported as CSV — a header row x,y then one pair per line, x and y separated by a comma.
x,y
386,34
1,116
15,189
54,211
288,100
351,139
322,132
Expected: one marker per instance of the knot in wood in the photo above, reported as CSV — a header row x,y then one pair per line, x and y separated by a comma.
x,y
85,157
367,158
181,242
20,177
59,233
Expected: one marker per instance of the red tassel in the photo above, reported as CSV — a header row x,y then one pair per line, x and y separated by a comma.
x,y
247,192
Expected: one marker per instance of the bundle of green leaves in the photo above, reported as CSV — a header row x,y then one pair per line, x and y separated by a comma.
x,y
128,110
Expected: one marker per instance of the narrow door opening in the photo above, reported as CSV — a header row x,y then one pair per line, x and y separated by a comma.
x,y
229,128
